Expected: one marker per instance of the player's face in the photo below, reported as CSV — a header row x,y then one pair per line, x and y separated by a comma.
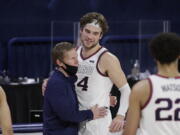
x,y
90,36
70,58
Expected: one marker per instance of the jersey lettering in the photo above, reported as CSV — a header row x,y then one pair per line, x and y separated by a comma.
x,y
167,108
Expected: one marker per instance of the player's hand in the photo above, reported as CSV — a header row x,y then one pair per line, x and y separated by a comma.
x,y
113,101
117,124
44,85
98,112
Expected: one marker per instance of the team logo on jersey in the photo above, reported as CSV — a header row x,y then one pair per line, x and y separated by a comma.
x,y
92,61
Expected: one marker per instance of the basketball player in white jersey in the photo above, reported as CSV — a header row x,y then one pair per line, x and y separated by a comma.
x,y
97,72
155,102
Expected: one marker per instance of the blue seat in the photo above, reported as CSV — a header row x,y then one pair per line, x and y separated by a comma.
x,y
30,56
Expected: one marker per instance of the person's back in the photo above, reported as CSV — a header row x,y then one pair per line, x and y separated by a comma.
x,y
154,102
161,114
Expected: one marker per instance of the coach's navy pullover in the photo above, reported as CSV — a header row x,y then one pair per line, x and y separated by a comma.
x,y
61,112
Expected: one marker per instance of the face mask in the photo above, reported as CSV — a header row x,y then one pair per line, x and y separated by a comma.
x,y
70,70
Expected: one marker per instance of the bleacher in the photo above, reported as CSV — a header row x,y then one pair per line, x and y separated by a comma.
x,y
128,49
30,56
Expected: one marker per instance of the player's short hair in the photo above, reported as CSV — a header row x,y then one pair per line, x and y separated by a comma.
x,y
90,17
165,47
59,50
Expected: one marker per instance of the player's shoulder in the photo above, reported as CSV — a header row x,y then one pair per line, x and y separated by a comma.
x,y
142,89
141,86
108,54
108,57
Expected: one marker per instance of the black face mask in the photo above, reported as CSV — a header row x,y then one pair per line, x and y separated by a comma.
x,y
70,70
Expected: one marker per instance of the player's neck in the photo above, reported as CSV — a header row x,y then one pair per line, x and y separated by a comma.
x,y
86,52
170,70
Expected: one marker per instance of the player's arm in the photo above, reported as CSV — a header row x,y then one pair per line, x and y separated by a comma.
x,y
110,64
5,116
139,95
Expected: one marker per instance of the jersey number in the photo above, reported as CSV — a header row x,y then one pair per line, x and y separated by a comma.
x,y
83,83
167,108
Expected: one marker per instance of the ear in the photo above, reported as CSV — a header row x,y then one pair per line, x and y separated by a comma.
x,y
59,63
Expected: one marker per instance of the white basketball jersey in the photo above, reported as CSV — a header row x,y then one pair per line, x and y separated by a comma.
x,y
92,87
161,115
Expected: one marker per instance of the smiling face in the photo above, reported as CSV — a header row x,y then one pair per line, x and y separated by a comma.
x,y
90,36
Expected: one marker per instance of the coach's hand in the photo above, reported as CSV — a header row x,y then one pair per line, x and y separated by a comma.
x,y
98,112
44,85
117,124
113,101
